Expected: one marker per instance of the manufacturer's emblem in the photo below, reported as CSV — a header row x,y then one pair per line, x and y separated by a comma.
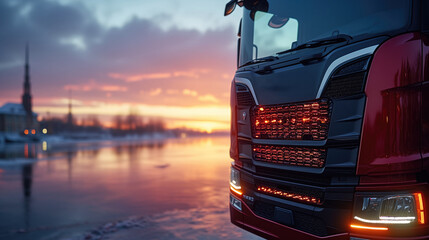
x,y
249,198
244,116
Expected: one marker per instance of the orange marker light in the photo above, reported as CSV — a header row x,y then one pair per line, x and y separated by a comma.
x,y
420,208
369,228
288,195
26,131
33,131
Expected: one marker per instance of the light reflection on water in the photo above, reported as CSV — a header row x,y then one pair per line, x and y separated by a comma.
x,y
44,187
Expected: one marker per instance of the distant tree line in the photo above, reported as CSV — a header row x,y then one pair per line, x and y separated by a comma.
x,y
136,124
58,125
131,124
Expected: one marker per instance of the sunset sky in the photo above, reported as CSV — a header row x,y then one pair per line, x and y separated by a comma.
x,y
173,59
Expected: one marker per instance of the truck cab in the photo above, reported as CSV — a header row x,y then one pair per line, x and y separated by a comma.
x,y
330,119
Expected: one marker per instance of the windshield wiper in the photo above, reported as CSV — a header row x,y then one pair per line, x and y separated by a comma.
x,y
260,60
320,42
311,44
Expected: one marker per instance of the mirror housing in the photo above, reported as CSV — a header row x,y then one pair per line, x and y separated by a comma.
x,y
256,5
230,7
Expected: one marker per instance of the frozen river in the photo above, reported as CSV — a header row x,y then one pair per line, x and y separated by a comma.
x,y
172,189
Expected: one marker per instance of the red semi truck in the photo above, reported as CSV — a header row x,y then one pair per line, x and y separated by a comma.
x,y
330,119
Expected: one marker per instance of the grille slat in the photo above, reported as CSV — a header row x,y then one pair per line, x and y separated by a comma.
x,y
348,80
244,96
298,121
245,99
296,156
345,85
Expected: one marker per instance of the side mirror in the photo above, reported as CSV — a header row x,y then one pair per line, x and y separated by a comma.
x,y
277,21
230,6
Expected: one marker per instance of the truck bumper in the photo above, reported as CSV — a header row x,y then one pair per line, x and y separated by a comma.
x,y
268,229
247,220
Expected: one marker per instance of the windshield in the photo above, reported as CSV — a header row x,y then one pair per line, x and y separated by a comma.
x,y
289,23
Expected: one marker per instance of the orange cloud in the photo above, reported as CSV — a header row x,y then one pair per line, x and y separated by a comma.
x,y
172,91
189,92
204,98
193,73
113,88
139,77
65,101
85,88
155,92
186,74
208,98
190,74
92,85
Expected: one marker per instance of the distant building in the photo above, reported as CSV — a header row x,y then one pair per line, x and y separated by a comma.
x,y
18,117
13,118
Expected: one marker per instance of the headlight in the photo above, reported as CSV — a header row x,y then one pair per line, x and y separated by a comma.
x,y
235,181
389,209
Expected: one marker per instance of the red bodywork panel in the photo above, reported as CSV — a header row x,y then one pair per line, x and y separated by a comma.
x,y
390,142
425,102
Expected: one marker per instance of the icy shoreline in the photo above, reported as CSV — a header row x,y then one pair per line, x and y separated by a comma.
x,y
196,223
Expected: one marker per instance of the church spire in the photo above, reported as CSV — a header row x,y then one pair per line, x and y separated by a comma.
x,y
69,115
27,72
26,96
26,55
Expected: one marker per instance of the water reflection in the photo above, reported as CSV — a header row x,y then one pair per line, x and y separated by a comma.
x,y
76,183
70,155
27,178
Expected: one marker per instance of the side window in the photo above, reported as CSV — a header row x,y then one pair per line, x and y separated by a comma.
x,y
425,15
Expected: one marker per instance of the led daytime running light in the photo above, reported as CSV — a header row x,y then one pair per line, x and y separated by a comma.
x,y
234,186
368,227
387,220
235,190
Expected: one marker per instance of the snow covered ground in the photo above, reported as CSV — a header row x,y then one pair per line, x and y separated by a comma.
x,y
117,189
177,224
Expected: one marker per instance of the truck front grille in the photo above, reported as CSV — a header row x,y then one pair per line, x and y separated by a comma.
x,y
297,156
298,121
